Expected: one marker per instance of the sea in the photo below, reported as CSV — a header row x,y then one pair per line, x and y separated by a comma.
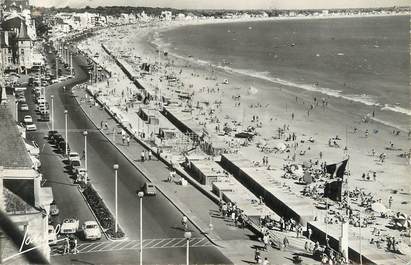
x,y
361,59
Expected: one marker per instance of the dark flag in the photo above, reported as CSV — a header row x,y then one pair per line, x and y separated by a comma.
x,y
341,169
330,169
333,190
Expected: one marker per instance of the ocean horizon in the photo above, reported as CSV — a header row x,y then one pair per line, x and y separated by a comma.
x,y
364,60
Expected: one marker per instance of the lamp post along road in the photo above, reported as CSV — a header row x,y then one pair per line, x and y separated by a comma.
x,y
141,195
85,157
187,235
17,111
71,64
115,167
66,140
52,112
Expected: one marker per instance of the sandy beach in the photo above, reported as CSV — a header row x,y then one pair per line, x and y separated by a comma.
x,y
339,118
325,128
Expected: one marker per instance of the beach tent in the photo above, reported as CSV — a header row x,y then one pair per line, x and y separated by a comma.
x,y
281,146
379,208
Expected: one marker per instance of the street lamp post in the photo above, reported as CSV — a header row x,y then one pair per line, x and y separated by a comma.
x,y
71,64
52,112
115,167
85,157
141,195
187,235
65,120
17,111
57,67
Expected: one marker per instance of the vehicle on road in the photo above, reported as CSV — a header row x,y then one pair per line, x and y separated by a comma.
x,y
56,138
44,116
31,127
54,210
20,88
149,189
52,235
74,157
51,134
91,230
28,119
24,107
69,226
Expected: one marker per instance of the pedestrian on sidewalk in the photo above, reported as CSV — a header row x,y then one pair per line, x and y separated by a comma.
x,y
257,256
266,239
66,249
310,232
233,217
142,156
285,241
224,209
184,222
123,138
149,154
128,140
75,244
106,125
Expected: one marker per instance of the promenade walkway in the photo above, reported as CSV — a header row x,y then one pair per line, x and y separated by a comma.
x,y
236,243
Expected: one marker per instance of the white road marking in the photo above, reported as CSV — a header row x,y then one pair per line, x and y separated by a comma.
x,y
160,243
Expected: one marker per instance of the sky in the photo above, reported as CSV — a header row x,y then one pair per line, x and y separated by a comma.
x,y
226,4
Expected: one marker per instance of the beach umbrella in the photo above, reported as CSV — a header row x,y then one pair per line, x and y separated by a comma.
x,y
252,90
281,146
378,207
298,171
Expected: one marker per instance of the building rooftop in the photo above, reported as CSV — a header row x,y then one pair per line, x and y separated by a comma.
x,y
13,153
16,205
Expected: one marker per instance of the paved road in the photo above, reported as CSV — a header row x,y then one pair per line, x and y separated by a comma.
x,y
161,220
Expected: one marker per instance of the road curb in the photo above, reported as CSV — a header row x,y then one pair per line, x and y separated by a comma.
x,y
145,175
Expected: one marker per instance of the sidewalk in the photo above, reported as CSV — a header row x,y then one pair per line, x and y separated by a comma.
x,y
235,242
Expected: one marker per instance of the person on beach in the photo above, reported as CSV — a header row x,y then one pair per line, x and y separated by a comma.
x,y
390,202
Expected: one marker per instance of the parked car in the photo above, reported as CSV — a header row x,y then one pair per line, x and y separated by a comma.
x,y
44,116
74,157
52,235
54,210
31,127
149,188
24,107
91,230
56,138
28,119
51,134
69,226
